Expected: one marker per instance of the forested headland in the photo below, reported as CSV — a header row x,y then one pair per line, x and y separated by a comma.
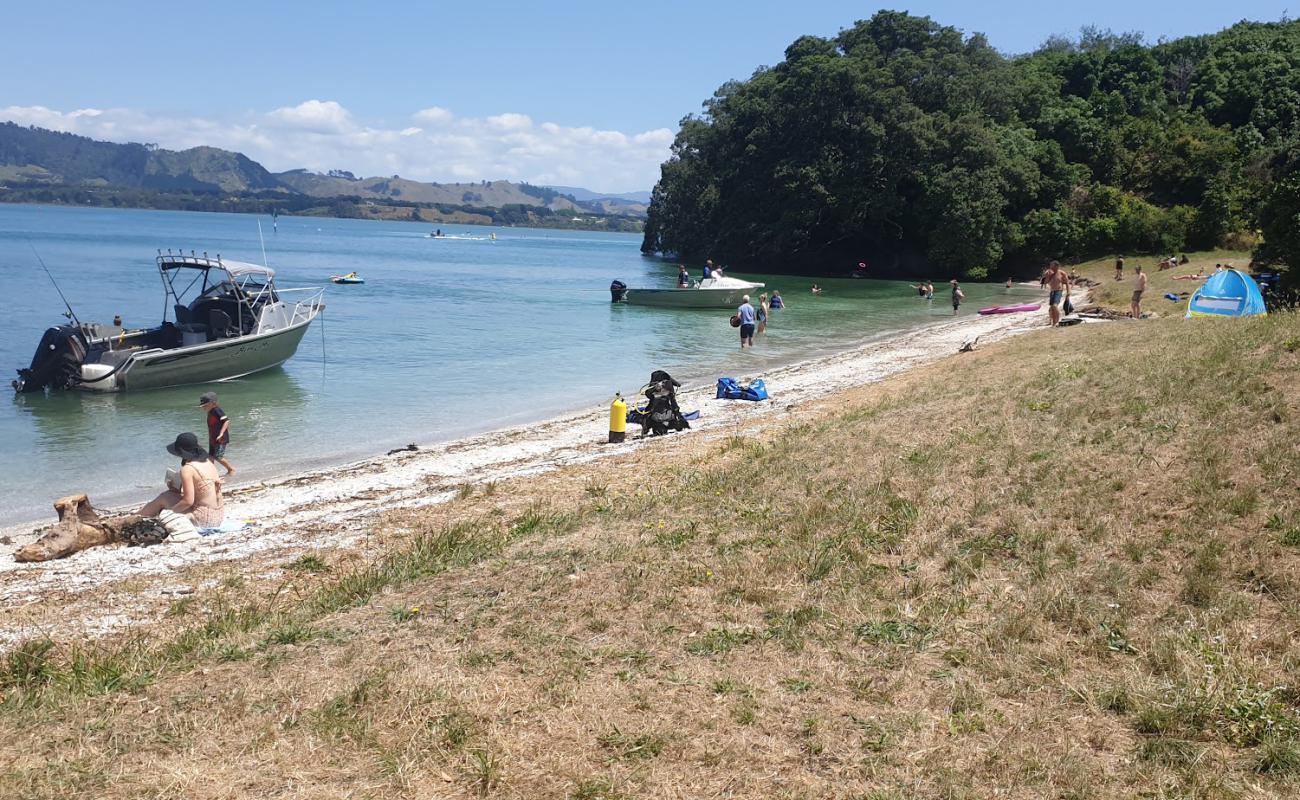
x,y
908,145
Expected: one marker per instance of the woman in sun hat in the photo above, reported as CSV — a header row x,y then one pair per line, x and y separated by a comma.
x,y
199,493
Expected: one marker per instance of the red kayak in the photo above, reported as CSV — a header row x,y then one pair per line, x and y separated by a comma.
x,y
1011,309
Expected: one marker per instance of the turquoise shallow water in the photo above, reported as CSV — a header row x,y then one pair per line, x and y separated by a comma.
x,y
448,337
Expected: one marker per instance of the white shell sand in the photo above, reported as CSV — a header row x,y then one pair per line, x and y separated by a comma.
x,y
334,507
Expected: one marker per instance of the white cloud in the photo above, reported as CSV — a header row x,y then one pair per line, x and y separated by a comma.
x,y
323,135
510,122
314,116
434,115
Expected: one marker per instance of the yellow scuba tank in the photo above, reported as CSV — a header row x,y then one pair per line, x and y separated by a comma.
x,y
617,419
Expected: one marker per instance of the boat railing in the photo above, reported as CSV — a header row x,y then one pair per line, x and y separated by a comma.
x,y
306,308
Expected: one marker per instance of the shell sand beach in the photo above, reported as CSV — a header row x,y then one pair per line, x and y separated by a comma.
x,y
337,508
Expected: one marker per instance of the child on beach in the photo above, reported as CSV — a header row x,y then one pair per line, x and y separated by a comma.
x,y
218,431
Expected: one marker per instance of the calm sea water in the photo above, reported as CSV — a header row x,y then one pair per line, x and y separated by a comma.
x,y
448,337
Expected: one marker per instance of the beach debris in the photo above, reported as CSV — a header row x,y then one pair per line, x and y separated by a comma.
x,y
79,528
968,345
408,448
1098,312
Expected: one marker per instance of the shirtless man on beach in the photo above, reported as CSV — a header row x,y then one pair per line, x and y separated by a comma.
x,y
1055,280
1135,310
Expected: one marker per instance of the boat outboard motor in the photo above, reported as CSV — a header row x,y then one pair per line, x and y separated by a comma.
x,y
57,362
617,292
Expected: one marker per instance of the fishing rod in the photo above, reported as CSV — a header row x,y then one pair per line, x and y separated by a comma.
x,y
71,314
263,241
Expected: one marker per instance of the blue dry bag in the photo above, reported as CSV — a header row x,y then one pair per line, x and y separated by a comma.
x,y
756,390
728,389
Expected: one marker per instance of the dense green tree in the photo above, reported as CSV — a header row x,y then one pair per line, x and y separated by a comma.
x,y
1279,215
904,142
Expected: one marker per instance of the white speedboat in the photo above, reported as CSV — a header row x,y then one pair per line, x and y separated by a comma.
x,y
721,292
230,320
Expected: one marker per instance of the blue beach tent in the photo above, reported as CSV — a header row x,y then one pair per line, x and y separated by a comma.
x,y
1230,293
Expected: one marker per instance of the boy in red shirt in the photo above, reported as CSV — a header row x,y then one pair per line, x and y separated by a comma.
x,y
218,431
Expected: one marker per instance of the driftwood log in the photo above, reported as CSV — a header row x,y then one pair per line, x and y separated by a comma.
x,y
78,528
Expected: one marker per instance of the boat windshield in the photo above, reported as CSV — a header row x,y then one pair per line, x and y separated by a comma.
x,y
197,286
252,293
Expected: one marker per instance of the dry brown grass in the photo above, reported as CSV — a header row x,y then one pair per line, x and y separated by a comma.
x,y
1062,566
1118,294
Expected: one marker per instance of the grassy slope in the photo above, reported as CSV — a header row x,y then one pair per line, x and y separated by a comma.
x,y
1117,294
1065,566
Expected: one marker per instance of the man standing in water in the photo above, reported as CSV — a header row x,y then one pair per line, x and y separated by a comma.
x,y
1136,309
1055,280
747,320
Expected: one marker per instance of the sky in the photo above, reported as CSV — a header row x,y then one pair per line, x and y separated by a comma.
x,y
568,92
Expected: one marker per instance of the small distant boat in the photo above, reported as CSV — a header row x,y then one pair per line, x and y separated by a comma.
x,y
711,293
1011,309
351,277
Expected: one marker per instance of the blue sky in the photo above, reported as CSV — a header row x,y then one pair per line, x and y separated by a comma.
x,y
575,93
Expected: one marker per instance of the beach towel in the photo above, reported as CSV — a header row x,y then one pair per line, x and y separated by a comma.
x,y
229,526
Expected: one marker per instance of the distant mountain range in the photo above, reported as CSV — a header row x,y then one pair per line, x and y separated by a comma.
x,y
586,195
36,155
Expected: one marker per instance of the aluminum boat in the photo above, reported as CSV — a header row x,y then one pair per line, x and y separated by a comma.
x,y
721,292
229,320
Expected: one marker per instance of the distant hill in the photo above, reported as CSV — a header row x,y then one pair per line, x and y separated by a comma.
x,y
39,156
492,194
586,195
615,205
54,157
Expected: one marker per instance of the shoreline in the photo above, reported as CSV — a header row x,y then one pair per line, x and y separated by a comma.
x,y
124,500
334,507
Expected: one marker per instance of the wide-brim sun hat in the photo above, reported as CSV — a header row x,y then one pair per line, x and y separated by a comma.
x,y
187,447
